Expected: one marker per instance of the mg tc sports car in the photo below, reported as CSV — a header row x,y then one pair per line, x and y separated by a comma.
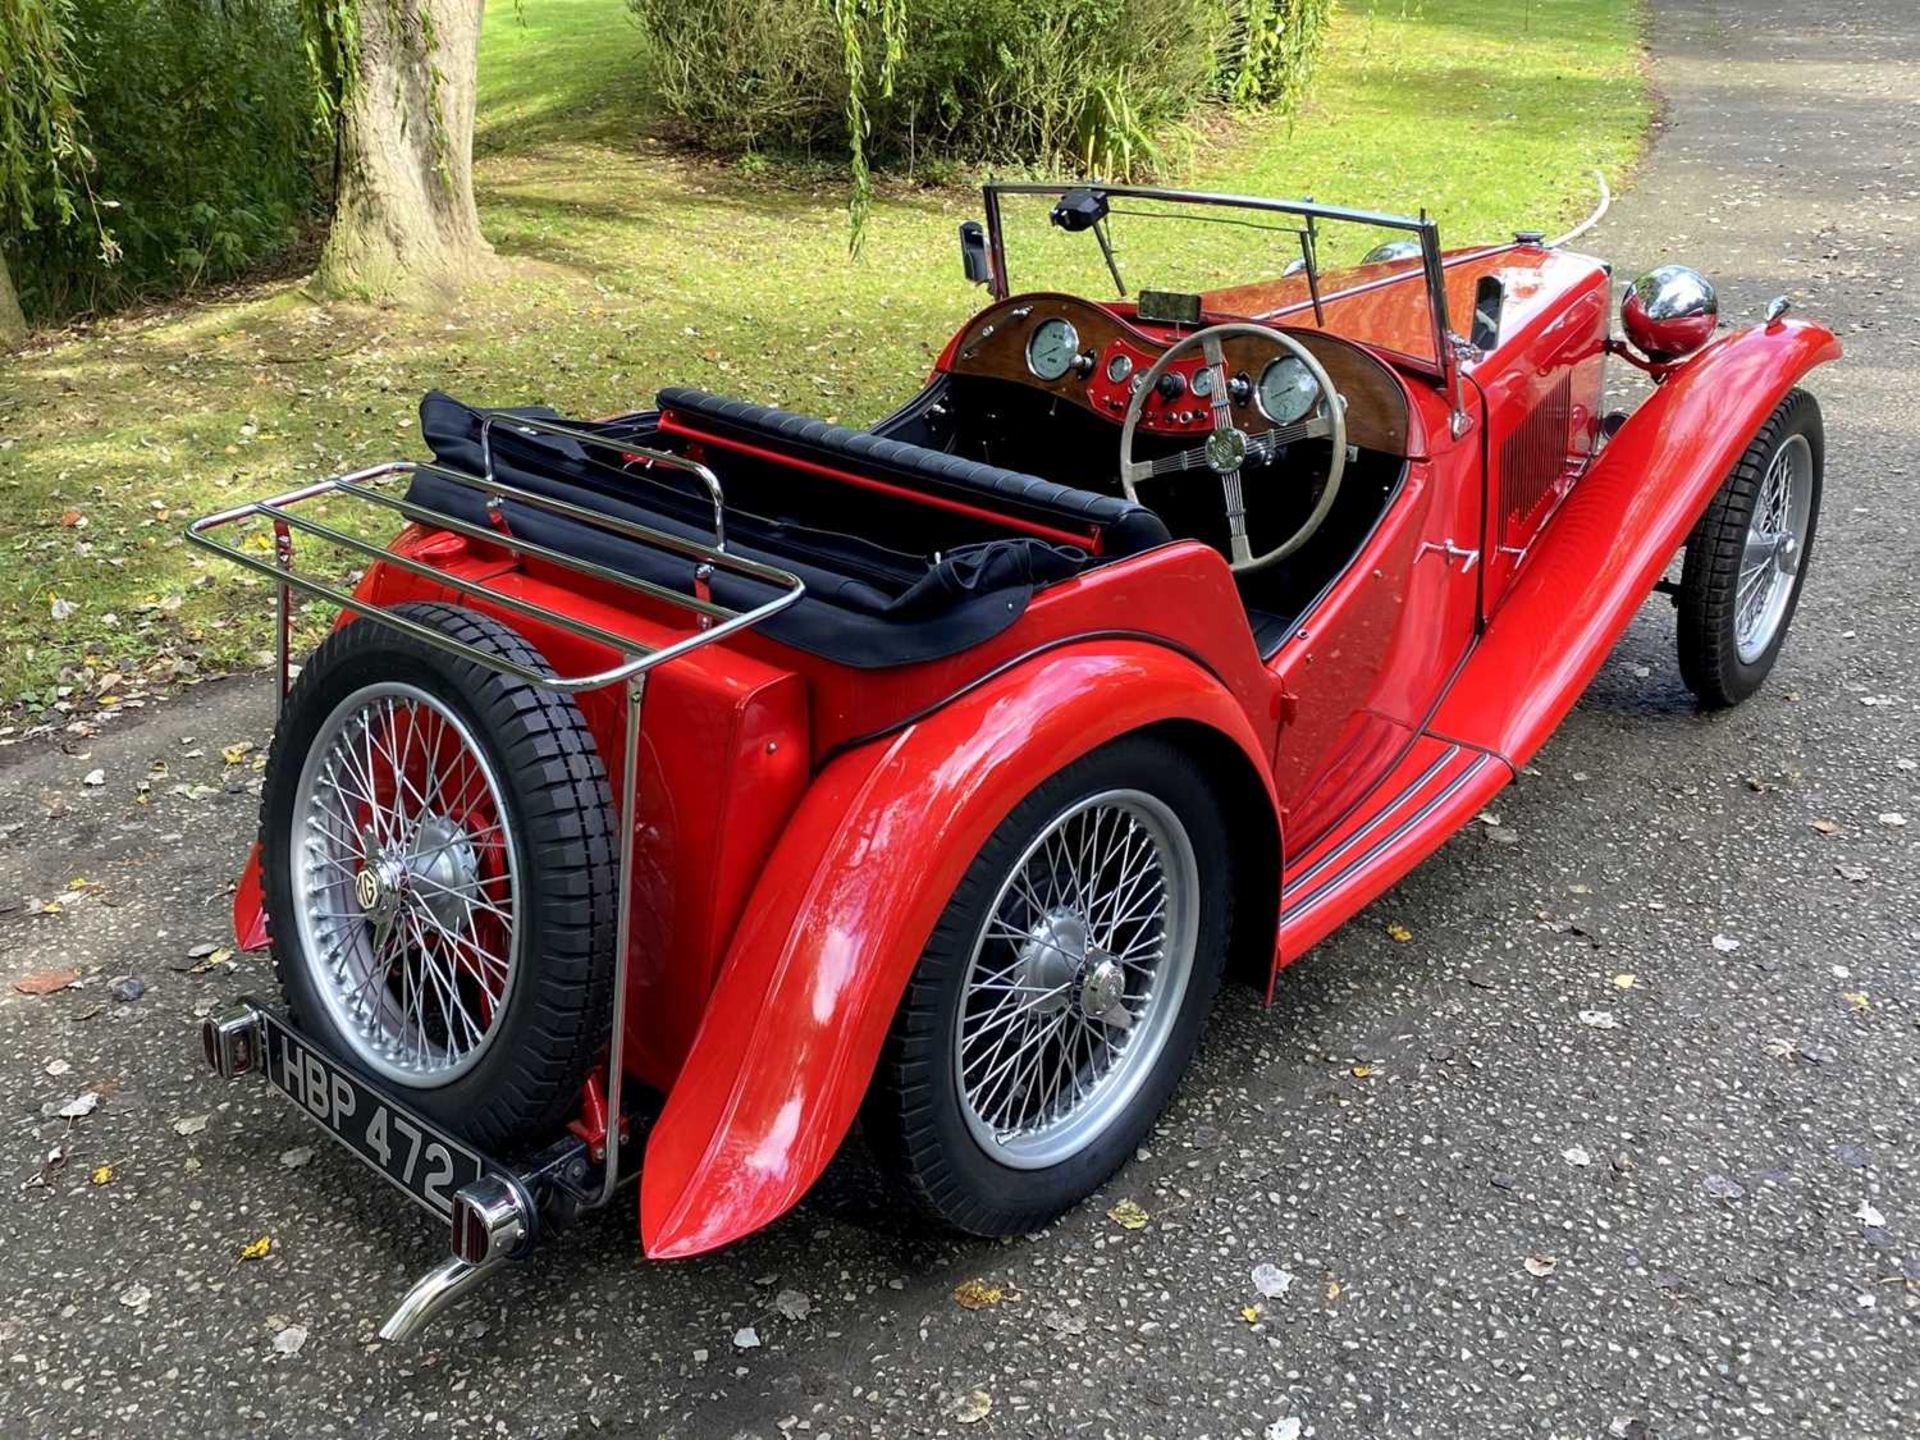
x,y
679,789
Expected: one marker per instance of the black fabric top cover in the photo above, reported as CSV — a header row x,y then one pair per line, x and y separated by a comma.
x,y
865,605
1127,526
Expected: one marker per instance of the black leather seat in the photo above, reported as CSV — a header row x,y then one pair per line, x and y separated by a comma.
x,y
1124,526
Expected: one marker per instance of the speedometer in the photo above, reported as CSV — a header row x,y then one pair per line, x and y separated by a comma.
x,y
1287,391
1052,348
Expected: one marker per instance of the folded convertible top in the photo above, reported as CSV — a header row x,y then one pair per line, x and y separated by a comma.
x,y
865,605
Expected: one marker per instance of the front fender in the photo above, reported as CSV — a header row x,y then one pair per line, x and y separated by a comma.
x,y
1616,533
794,1027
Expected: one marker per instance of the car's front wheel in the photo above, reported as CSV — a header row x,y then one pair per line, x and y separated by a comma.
x,y
1747,557
1061,994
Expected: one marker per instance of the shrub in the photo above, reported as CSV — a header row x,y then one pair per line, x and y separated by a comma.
x,y
201,115
1082,84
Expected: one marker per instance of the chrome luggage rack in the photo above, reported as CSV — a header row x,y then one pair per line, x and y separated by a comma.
x,y
498,1223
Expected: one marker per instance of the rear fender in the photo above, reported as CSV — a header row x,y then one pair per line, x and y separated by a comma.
x,y
795,1024
1616,533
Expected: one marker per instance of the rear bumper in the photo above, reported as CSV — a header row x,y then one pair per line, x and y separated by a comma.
x,y
499,1215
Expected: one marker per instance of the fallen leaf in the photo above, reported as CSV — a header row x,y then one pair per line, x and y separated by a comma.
x,y
1870,1217
1857,999
973,1408
793,1304
192,1125
1723,1187
1333,1290
1271,1281
100,1175
1128,1215
1540,1265
289,1340
977,1294
1623,981
1826,827
1361,1072
83,1104
235,753
212,962
257,1249
1398,932
1252,1313
46,982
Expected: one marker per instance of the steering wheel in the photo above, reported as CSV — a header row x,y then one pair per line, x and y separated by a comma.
x,y
1229,447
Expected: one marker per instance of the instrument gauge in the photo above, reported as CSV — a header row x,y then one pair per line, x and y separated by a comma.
x,y
1120,366
1287,391
1202,385
1052,348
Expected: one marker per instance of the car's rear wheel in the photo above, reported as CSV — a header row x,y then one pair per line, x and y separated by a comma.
x,y
438,853
1061,994
1746,559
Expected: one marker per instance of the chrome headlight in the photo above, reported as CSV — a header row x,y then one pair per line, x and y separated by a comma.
x,y
1669,313
1390,250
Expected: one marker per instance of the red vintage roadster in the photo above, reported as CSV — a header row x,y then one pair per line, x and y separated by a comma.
x,y
682,787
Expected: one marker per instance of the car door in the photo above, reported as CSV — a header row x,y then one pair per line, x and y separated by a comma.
x,y
1365,666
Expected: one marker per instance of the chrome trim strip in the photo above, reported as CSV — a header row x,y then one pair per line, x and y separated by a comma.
x,y
1361,834
1334,885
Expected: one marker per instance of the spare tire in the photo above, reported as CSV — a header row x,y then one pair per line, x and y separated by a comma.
x,y
440,864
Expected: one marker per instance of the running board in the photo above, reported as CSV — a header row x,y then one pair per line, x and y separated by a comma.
x,y
1435,789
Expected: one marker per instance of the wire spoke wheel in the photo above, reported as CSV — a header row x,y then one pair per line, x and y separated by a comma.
x,y
1776,538
1076,978
405,883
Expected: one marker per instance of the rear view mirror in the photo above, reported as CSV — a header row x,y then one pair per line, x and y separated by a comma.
x,y
974,260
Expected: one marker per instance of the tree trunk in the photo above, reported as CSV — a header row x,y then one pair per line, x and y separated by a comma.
x,y
13,325
404,225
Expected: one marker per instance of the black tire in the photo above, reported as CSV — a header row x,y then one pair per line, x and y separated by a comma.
x,y
913,1118
1710,662
558,809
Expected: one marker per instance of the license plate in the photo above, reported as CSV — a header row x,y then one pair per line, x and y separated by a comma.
x,y
422,1160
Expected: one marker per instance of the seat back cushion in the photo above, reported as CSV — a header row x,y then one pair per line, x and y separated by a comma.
x,y
1122,526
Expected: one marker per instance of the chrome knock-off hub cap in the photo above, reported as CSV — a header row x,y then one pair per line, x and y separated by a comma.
x,y
405,884
1076,979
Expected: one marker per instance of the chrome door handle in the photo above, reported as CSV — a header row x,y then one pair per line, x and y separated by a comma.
x,y
1453,552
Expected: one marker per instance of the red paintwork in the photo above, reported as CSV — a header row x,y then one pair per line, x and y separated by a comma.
x,y
1616,534
845,906
249,905
801,823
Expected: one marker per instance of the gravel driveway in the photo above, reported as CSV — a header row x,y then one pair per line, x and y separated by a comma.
x,y
1490,1216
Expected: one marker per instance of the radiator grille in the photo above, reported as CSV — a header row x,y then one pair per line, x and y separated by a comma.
x,y
1533,458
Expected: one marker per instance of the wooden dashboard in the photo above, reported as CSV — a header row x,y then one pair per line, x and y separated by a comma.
x,y
1110,354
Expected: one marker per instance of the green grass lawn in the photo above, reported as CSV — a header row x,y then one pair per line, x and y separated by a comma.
x,y
633,266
